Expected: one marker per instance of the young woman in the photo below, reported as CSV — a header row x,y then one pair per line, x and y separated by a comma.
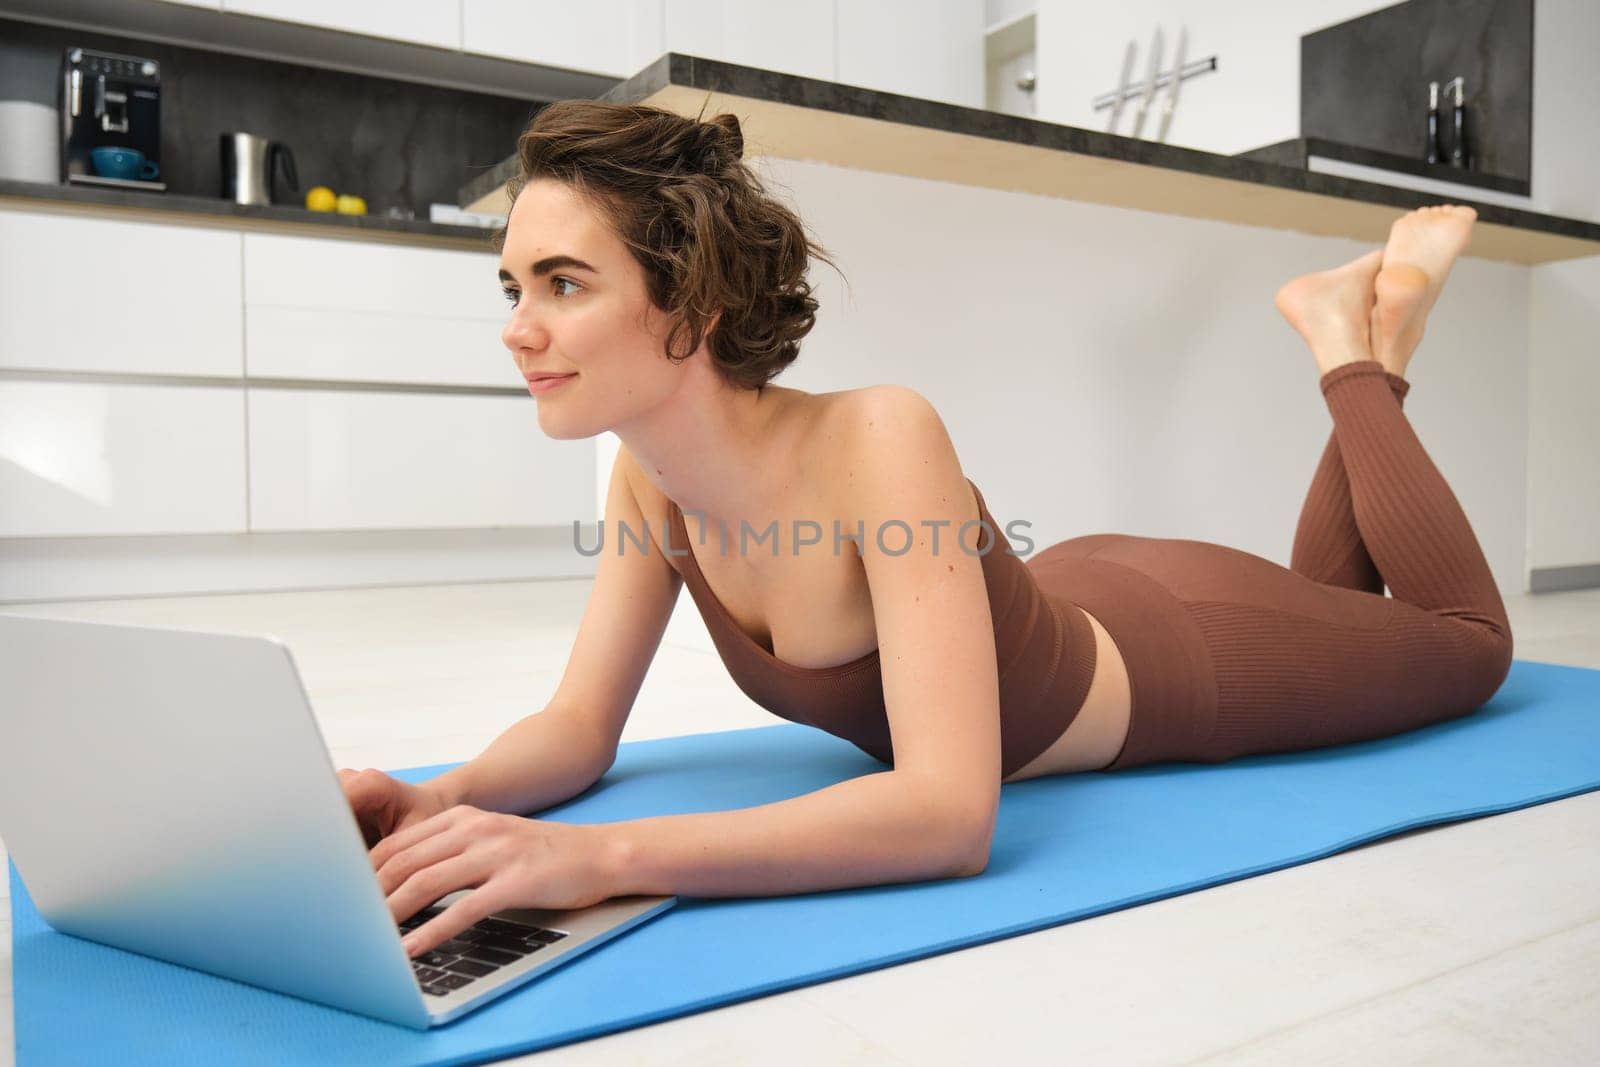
x,y
655,291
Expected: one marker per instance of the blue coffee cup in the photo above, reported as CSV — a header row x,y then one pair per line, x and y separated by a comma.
x,y
126,163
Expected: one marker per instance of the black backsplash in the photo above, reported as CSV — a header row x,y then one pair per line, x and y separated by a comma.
x,y
393,143
1365,82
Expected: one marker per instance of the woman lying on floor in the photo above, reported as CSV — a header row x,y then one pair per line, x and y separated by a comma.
x,y
656,290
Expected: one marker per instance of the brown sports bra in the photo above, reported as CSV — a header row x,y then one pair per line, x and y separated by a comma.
x,y
1044,647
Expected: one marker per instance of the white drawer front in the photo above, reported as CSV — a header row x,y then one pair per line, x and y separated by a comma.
x,y
91,294
370,346
320,272
84,459
345,460
338,310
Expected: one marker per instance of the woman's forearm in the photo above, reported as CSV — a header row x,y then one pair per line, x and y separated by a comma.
x,y
864,831
538,762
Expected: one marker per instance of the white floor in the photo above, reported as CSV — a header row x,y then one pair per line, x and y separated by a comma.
x,y
1475,943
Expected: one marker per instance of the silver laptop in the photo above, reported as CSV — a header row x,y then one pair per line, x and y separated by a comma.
x,y
168,792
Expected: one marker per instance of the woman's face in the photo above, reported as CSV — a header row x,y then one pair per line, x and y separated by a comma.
x,y
591,319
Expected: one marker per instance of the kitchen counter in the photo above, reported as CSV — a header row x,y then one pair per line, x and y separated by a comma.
x,y
205,210
1297,152
792,117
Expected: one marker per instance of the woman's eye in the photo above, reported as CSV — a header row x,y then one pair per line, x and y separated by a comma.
x,y
513,295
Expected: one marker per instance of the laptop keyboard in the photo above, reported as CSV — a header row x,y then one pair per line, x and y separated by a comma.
x,y
479,950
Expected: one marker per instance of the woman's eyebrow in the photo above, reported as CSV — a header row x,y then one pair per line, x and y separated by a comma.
x,y
550,263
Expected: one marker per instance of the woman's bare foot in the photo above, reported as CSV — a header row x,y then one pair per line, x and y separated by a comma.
x,y
1422,246
1332,310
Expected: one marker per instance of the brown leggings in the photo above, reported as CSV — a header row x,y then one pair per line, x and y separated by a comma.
x,y
1255,658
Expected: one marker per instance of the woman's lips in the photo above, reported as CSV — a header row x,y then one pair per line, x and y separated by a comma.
x,y
544,385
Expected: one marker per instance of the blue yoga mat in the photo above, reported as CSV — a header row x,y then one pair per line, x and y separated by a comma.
x,y
1064,848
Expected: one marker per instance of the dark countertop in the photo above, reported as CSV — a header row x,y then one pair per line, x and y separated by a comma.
x,y
1297,151
792,117
282,218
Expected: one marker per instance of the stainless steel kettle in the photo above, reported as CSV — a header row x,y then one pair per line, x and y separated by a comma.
x,y
248,172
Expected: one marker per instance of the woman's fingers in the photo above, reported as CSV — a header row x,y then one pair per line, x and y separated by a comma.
x,y
401,840
366,803
448,842
424,887
371,794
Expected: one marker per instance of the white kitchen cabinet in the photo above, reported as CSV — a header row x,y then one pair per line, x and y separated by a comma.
x,y
95,294
324,344
336,273
89,459
431,22
346,460
793,38
347,311
930,49
614,37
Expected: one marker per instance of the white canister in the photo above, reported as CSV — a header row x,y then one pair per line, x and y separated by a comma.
x,y
30,142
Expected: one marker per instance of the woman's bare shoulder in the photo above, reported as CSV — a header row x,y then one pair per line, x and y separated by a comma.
x,y
865,417
838,427
857,407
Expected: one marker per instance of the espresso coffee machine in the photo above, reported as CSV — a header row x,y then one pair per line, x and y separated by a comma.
x,y
110,120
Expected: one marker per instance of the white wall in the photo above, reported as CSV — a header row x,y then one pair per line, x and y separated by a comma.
x,y
1564,395
998,11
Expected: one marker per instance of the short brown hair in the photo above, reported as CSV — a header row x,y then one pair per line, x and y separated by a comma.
x,y
696,218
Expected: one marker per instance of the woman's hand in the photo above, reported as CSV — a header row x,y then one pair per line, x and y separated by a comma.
x,y
514,862
384,805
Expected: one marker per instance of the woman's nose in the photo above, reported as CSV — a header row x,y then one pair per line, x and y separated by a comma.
x,y
520,332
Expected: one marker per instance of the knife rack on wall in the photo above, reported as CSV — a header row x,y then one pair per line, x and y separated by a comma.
x,y
1198,66
1144,91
